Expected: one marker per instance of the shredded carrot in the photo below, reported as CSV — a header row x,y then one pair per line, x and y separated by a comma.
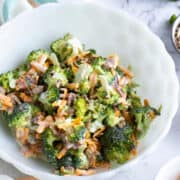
x,y
73,86
22,134
117,113
77,121
74,69
62,153
6,101
80,172
99,132
126,71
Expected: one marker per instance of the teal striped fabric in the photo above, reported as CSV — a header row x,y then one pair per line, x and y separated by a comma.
x,y
8,5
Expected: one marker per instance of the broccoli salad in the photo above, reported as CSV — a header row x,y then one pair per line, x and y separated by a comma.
x,y
74,109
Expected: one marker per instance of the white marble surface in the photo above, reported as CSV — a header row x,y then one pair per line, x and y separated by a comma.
x,y
155,14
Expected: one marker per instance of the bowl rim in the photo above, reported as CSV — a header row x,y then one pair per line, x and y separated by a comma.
x,y
151,148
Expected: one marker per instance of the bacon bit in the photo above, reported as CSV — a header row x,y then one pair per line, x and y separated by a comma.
x,y
47,122
62,153
2,90
126,115
24,97
126,71
112,61
32,150
5,101
81,172
71,97
37,89
99,132
105,165
93,81
22,135
73,86
14,98
146,102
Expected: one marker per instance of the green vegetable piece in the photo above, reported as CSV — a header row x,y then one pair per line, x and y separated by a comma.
x,y
77,134
48,97
81,160
84,87
80,107
22,115
172,19
35,55
55,76
5,81
48,145
117,143
111,119
67,46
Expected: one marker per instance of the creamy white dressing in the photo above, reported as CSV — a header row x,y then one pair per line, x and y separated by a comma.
x,y
83,72
76,44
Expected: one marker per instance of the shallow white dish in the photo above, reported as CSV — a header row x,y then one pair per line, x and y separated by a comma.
x,y
107,31
170,171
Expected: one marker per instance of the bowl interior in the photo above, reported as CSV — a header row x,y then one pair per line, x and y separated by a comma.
x,y
107,31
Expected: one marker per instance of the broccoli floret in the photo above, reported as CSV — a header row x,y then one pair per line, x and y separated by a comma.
x,y
107,98
48,97
22,115
84,87
81,160
77,134
67,46
75,159
98,63
80,107
55,76
143,119
117,143
111,118
48,144
34,55
6,80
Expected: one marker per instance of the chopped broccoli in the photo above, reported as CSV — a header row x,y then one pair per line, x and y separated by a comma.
x,y
22,115
55,76
81,160
107,98
6,79
84,87
67,46
98,63
111,118
49,149
34,55
143,118
75,159
117,143
80,107
78,133
48,97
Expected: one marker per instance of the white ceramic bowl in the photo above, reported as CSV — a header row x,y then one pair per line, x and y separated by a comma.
x,y
108,31
170,171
